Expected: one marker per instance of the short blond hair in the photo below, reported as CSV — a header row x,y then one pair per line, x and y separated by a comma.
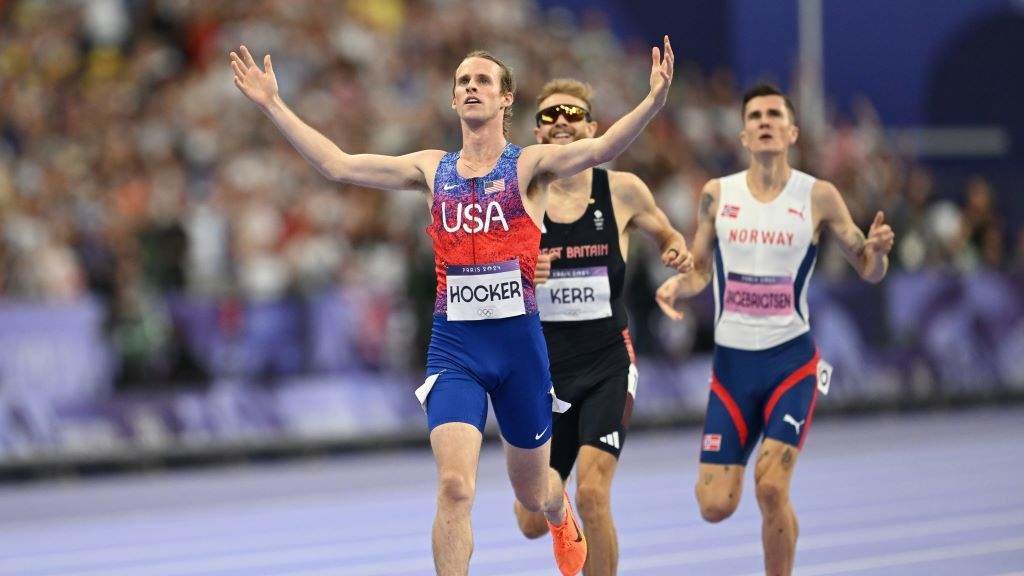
x,y
569,87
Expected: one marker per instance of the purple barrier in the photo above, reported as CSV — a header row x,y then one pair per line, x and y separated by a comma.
x,y
310,370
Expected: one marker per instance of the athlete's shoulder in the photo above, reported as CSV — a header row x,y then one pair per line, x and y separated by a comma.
x,y
626,184
736,179
823,190
713,187
428,157
826,199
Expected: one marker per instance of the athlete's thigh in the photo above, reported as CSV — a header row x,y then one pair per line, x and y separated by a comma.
x,y
452,391
606,408
789,412
528,468
454,396
596,468
456,447
565,441
776,462
720,483
522,400
732,423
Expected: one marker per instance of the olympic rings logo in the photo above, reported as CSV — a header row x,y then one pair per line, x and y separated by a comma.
x,y
485,312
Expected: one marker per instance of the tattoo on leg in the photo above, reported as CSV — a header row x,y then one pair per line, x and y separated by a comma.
x,y
708,478
787,459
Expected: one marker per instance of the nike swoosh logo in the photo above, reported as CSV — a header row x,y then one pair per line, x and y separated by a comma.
x,y
579,535
537,437
448,187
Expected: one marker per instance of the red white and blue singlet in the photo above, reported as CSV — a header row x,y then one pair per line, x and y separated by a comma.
x,y
486,339
482,222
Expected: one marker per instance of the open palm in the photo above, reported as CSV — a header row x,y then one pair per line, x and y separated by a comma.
x,y
260,86
661,71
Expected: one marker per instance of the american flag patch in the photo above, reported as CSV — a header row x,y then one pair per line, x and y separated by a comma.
x,y
730,211
712,442
494,186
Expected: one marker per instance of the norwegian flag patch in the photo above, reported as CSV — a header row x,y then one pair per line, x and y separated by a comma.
x,y
712,442
494,186
730,211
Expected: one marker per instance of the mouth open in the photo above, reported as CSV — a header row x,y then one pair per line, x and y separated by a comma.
x,y
472,100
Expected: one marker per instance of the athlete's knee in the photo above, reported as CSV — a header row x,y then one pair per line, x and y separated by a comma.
x,y
772,494
532,498
715,504
455,490
531,524
592,500
716,511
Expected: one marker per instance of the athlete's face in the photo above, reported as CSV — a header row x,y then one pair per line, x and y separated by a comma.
x,y
768,126
477,95
564,131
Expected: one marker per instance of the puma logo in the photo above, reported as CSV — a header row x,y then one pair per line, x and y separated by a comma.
x,y
799,213
790,420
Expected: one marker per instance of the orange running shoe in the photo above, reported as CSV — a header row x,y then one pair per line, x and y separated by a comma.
x,y
570,544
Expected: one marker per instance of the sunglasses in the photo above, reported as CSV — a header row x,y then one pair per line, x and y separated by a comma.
x,y
572,113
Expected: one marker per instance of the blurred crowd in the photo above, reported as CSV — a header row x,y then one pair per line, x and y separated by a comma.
x,y
131,168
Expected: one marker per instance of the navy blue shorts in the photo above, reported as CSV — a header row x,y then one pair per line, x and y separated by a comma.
x,y
769,391
506,359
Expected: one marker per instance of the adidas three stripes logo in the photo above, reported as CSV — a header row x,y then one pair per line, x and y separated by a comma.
x,y
611,440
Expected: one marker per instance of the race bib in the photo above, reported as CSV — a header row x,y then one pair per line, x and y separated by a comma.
x,y
759,295
485,291
575,294
824,376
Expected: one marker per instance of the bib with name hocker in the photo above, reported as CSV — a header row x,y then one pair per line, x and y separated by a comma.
x,y
573,294
485,291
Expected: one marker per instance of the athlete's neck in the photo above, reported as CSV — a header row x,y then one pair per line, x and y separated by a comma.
x,y
575,185
481,146
768,175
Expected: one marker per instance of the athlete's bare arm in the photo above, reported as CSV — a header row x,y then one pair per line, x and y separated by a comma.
x,y
692,283
546,162
868,256
638,209
412,171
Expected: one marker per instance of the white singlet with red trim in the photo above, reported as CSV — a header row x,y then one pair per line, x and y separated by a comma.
x,y
764,258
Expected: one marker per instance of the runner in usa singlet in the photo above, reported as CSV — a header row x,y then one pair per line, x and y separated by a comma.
x,y
486,337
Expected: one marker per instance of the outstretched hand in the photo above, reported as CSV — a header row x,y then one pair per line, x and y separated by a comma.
x,y
662,65
666,297
880,237
260,86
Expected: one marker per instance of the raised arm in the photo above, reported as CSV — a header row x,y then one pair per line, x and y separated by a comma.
x,y
370,170
690,284
868,256
643,214
559,161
